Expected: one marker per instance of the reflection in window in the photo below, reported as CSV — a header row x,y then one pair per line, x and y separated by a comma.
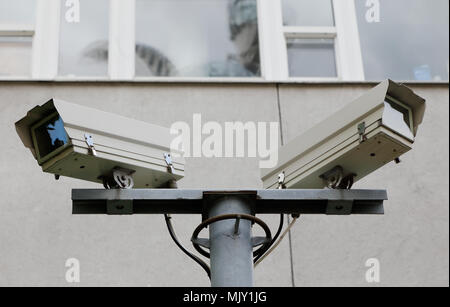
x,y
83,47
197,38
411,41
17,12
317,13
311,57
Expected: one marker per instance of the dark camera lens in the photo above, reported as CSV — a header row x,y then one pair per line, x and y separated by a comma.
x,y
50,136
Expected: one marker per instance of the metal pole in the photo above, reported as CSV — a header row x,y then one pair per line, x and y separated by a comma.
x,y
230,244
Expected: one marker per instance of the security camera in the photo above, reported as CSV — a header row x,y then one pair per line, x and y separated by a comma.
x,y
84,143
373,130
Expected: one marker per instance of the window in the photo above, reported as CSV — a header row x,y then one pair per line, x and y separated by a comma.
x,y
15,56
197,38
310,32
277,40
84,39
17,20
408,39
17,12
317,13
311,58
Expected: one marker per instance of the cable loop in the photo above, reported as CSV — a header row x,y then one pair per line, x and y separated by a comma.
x,y
218,218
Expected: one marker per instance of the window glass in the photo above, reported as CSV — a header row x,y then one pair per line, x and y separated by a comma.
x,y
308,13
404,39
17,12
83,47
15,51
15,56
311,57
197,38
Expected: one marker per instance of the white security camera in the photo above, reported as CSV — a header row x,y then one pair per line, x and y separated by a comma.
x,y
80,142
375,129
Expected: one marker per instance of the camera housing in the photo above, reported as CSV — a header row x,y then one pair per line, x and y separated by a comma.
x,y
88,144
373,130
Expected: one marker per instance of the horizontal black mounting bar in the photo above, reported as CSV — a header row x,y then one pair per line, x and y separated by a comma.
x,y
174,201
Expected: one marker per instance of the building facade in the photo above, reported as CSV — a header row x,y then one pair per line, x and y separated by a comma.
x,y
294,62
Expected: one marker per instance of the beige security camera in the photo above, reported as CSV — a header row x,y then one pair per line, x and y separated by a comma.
x,y
84,143
373,130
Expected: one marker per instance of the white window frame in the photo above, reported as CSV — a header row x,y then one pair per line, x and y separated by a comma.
x,y
272,38
122,39
274,35
315,33
46,40
348,45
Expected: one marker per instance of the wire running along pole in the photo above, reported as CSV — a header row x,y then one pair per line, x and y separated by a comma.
x,y
203,264
286,231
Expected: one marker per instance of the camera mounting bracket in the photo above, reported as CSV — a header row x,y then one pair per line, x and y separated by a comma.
x,y
118,178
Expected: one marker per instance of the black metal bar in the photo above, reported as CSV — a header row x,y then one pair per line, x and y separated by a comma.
x,y
172,201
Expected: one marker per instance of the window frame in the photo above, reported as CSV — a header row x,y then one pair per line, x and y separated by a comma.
x,y
46,40
19,30
44,34
291,32
272,44
349,64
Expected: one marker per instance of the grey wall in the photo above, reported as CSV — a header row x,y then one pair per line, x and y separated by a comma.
x,y
38,232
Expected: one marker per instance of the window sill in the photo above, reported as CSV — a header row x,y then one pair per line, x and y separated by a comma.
x,y
231,80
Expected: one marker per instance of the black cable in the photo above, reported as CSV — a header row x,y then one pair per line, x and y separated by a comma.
x,y
280,227
189,254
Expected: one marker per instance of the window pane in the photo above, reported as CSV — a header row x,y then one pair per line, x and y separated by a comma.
x,y
15,51
308,13
83,49
410,41
216,38
311,58
16,12
15,56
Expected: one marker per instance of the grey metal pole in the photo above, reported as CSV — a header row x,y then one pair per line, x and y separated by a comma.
x,y
230,244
